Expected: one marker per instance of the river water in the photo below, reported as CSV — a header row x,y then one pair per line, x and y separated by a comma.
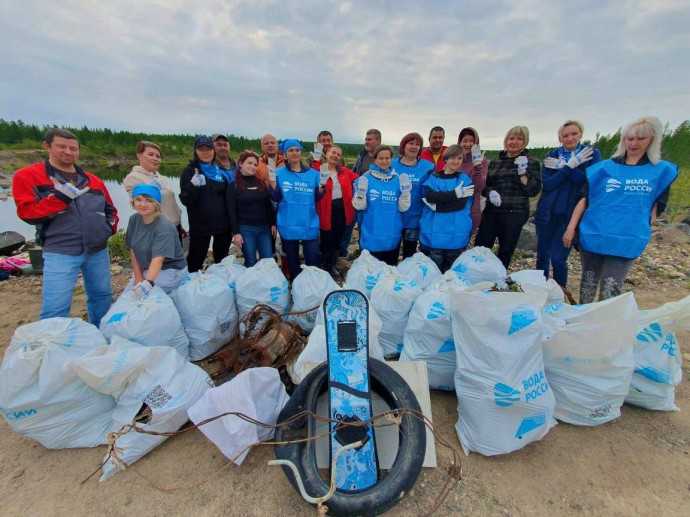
x,y
10,221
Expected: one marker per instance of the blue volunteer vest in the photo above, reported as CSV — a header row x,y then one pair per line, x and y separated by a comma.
x,y
448,230
418,175
381,223
621,198
297,218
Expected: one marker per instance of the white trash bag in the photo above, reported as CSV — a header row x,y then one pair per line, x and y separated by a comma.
x,y
364,273
479,264
452,279
257,393
658,356
532,280
420,269
309,289
317,349
206,305
156,378
429,334
263,283
392,298
41,396
504,398
588,353
229,269
151,321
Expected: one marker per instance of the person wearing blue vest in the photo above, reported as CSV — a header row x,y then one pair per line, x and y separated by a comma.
x,y
381,196
418,171
296,188
562,176
621,198
446,224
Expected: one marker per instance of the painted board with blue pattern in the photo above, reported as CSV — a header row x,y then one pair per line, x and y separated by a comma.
x,y
346,316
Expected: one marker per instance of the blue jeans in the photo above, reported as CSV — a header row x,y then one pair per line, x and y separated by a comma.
x,y
60,274
550,249
310,249
443,258
256,238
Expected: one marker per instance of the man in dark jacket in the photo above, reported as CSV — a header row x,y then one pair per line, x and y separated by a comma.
x,y
74,217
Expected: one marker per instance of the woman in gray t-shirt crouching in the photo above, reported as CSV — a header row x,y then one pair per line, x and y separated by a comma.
x,y
157,256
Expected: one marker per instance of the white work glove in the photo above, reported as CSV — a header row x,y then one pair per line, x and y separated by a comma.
x,y
495,198
405,184
432,206
198,180
142,289
521,162
362,187
323,177
554,163
271,170
462,191
318,150
477,155
68,189
578,159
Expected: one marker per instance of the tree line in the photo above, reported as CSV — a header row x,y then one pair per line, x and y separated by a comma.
x,y
16,135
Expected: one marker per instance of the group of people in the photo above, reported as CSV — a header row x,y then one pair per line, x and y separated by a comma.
x,y
433,199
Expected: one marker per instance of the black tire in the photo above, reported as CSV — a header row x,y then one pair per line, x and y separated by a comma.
x,y
402,476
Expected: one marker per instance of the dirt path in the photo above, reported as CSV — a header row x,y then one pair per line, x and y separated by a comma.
x,y
636,465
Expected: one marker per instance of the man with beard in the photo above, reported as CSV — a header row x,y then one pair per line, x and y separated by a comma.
x,y
221,145
434,153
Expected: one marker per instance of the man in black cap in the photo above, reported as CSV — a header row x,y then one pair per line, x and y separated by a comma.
x,y
221,144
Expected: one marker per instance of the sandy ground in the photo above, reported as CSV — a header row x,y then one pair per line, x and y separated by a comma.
x,y
636,465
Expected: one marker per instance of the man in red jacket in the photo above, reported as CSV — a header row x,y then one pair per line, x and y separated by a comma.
x,y
434,153
74,217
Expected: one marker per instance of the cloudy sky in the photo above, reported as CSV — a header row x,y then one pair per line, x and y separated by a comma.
x,y
294,68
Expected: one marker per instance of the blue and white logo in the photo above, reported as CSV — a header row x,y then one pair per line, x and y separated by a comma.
x,y
505,395
370,282
447,346
436,311
286,186
530,423
275,293
612,184
374,194
651,333
521,319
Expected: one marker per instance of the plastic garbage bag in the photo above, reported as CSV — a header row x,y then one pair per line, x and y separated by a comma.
x,y
41,396
229,269
392,298
658,356
317,349
206,306
420,269
504,399
155,378
364,273
257,393
588,353
479,264
309,289
151,321
263,283
532,280
429,334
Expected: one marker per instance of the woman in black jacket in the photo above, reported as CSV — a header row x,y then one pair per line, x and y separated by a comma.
x,y
204,191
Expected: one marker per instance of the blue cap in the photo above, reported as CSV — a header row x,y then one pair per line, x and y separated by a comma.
x,y
143,189
203,140
290,142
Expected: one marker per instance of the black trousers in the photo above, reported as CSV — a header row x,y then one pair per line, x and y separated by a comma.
x,y
390,257
330,240
504,226
198,248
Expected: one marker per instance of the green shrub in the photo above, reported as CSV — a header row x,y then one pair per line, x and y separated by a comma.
x,y
116,245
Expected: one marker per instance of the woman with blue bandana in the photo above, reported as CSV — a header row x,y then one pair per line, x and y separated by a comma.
x,y
562,176
621,198
381,196
204,191
296,188
155,249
